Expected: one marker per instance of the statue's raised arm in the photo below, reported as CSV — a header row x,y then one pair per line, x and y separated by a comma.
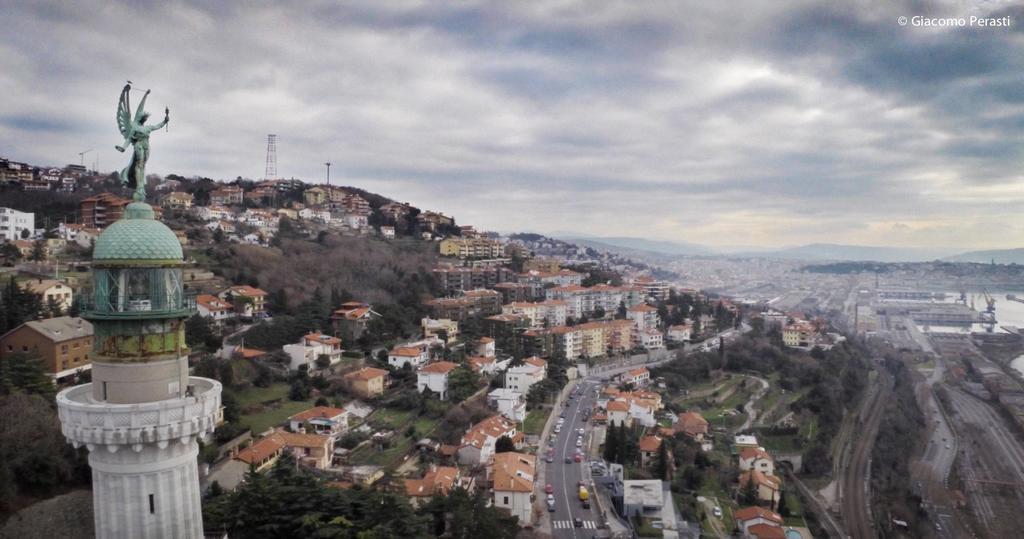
x,y
136,133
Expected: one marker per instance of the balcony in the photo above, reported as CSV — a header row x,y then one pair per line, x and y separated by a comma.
x,y
167,305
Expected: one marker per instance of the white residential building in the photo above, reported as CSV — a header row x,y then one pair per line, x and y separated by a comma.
x,y
644,317
435,378
408,354
512,476
523,377
310,348
477,447
12,222
679,333
508,402
551,312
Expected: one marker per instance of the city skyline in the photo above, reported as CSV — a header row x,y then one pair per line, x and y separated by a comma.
x,y
769,125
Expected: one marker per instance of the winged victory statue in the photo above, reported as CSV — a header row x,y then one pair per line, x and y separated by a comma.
x,y
136,133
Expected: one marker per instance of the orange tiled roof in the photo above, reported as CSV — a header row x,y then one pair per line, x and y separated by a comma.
x,y
617,406
246,290
514,472
439,367
213,302
406,351
766,531
324,412
761,479
495,426
754,453
437,481
750,513
322,339
366,373
650,443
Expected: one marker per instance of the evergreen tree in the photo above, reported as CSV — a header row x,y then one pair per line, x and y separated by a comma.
x,y
783,508
661,466
611,443
38,251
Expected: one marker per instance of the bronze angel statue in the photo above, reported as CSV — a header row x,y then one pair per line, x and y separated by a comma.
x,y
136,133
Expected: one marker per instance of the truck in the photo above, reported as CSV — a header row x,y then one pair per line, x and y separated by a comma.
x,y
584,495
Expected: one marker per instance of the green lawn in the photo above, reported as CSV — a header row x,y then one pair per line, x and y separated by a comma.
x,y
644,529
369,455
272,416
396,419
273,405
259,395
535,420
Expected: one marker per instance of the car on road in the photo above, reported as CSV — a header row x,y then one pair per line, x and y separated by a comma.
x,y
551,506
549,489
568,460
586,504
579,442
579,457
717,512
558,429
580,431
551,498
577,522
947,446
550,459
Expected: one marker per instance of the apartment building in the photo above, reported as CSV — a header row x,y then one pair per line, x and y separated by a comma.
x,y
471,248
460,279
13,222
472,303
101,210
586,300
550,313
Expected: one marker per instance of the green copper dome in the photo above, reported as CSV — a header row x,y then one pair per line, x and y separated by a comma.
x,y
137,236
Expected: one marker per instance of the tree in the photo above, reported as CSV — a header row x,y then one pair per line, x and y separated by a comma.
x,y
462,383
35,459
53,307
21,372
38,250
661,465
9,253
323,361
783,508
504,445
748,493
299,390
611,443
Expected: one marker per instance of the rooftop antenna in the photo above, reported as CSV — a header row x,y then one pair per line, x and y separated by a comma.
x,y
328,174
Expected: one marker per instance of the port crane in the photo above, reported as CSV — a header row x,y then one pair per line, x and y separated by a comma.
x,y
81,155
990,301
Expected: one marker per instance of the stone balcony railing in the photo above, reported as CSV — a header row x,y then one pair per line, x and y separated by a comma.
x,y
85,421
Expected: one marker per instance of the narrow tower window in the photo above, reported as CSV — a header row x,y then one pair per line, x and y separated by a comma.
x,y
152,506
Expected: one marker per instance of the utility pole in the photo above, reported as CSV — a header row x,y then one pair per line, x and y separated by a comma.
x,y
328,173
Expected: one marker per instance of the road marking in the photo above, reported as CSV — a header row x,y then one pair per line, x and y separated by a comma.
x,y
566,524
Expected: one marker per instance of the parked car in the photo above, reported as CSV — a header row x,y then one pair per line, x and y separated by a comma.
x,y
549,489
568,460
717,512
551,506
579,457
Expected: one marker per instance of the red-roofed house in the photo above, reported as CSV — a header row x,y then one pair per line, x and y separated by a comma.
x,y
308,449
512,476
639,377
311,348
618,412
649,446
768,486
367,382
214,308
434,377
249,301
351,319
753,516
765,531
693,425
756,458
477,445
414,356
437,482
320,420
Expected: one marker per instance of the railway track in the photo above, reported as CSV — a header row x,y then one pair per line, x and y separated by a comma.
x,y
855,502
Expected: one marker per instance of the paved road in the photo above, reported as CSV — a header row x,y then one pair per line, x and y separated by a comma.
x,y
749,406
564,477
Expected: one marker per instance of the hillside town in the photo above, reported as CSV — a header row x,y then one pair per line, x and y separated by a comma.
x,y
467,388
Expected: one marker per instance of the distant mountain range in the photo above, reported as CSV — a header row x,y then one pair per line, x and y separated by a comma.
x,y
810,252
1000,256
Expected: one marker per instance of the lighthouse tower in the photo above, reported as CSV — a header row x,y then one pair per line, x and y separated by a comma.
x,y
141,416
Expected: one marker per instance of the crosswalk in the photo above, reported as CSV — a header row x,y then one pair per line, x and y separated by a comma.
x,y
562,524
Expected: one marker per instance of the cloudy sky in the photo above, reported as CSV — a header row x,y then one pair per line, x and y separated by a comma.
x,y
770,124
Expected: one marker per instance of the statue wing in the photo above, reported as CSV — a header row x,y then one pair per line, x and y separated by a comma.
x,y
124,113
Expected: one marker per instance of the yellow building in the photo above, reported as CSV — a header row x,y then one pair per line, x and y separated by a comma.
x,y
471,248
314,196
368,381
